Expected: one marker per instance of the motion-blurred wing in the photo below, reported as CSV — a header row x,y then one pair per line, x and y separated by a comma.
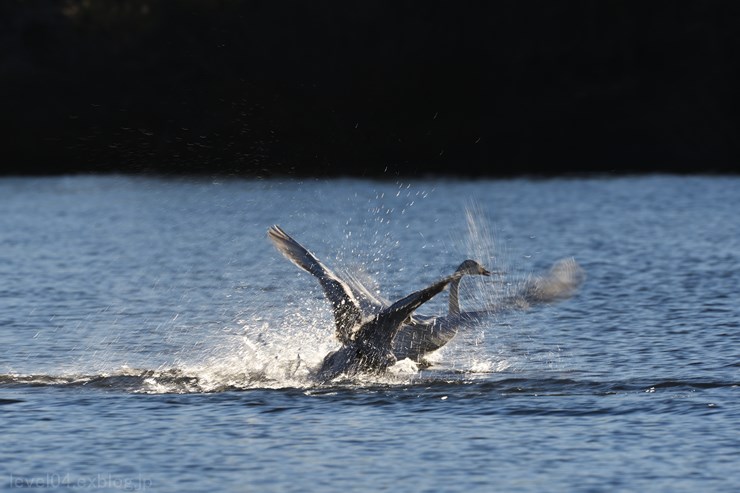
x,y
365,290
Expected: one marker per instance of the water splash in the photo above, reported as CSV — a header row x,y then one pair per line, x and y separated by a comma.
x,y
283,349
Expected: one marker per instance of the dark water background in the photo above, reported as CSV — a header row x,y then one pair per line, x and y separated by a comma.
x,y
152,339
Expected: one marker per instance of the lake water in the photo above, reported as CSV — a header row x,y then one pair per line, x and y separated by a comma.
x,y
153,339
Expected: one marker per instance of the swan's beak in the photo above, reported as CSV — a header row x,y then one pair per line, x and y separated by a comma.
x,y
485,272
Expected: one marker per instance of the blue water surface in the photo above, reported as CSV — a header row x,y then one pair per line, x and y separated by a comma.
x,y
153,340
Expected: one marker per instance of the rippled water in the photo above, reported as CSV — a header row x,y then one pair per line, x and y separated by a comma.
x,y
152,338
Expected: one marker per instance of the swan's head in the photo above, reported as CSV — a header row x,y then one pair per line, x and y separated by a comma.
x,y
471,267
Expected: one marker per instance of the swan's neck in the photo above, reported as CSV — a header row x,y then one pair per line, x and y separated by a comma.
x,y
455,297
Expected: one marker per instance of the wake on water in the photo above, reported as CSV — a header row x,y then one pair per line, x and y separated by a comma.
x,y
286,353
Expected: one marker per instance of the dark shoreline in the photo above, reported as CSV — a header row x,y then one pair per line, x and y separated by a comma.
x,y
361,89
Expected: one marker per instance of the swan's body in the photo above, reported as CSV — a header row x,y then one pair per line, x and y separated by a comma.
x,y
365,325
424,334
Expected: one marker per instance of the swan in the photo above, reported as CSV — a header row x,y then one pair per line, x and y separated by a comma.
x,y
365,325
422,335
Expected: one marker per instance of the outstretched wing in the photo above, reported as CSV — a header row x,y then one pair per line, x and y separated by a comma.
x,y
347,313
389,320
560,283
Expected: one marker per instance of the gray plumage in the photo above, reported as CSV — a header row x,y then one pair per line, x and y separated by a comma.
x,y
367,338
422,335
